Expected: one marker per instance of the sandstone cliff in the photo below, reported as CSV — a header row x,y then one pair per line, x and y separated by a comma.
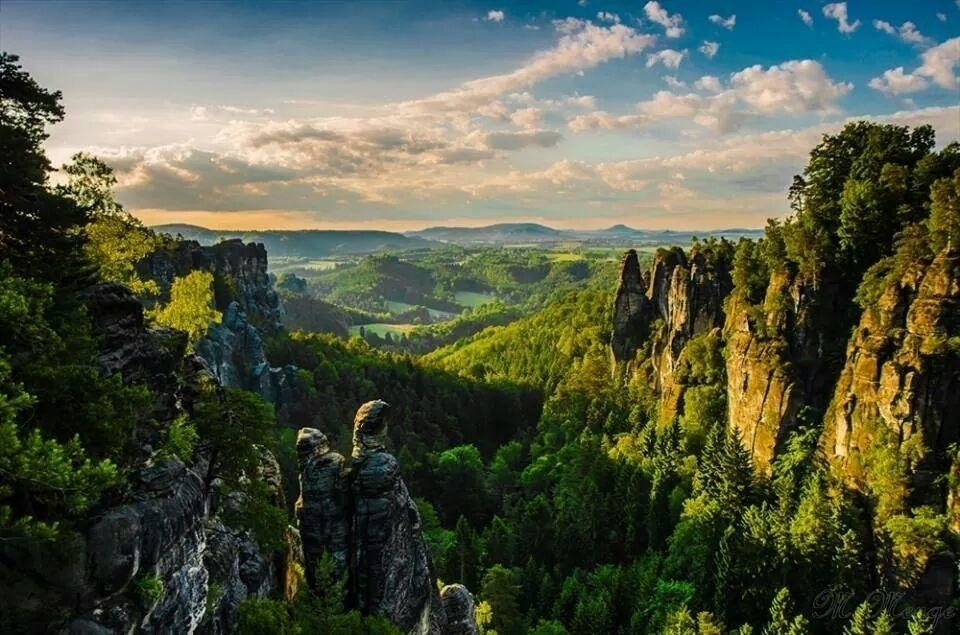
x,y
681,298
901,379
367,521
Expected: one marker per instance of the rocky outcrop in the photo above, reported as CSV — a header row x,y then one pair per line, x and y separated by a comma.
x,y
682,298
458,605
384,553
156,556
239,271
393,575
762,393
901,380
322,513
632,311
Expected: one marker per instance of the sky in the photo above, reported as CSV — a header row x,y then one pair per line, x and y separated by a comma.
x,y
397,115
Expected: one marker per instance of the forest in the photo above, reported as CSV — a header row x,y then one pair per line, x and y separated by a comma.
x,y
571,489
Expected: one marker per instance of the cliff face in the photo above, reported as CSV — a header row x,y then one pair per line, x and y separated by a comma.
x,y
148,558
244,294
763,396
365,518
239,271
901,381
682,298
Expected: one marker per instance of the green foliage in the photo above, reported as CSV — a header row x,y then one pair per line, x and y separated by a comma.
x,y
310,612
149,589
37,226
181,439
191,307
237,424
500,589
913,540
945,212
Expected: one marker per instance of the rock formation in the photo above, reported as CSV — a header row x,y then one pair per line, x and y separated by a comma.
x,y
384,555
239,271
393,575
900,381
162,531
632,311
322,513
682,298
458,606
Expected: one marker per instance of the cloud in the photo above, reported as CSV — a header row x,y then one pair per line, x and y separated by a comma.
x,y
896,82
606,16
601,120
209,112
937,65
495,15
518,140
942,16
527,117
709,83
794,87
709,48
581,46
805,16
673,82
939,62
838,11
907,32
727,23
672,24
668,57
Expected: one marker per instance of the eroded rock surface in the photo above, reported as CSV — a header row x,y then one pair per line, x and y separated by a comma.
x,y
384,554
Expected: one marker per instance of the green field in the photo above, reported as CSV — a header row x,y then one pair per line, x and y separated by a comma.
x,y
472,299
400,307
382,329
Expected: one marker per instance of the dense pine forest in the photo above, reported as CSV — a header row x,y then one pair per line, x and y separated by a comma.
x,y
751,437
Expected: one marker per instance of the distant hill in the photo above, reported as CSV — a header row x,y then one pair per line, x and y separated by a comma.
x,y
324,243
306,243
502,233
533,233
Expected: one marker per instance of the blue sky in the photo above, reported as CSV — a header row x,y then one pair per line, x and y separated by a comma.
x,y
688,115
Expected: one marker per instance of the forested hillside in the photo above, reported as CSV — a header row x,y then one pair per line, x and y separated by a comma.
x,y
743,463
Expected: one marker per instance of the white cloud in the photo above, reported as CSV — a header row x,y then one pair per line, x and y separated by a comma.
x,y
495,15
709,48
838,11
606,16
942,17
907,32
673,82
668,57
939,62
896,82
727,23
582,46
805,16
886,27
794,86
708,82
601,120
673,24
527,117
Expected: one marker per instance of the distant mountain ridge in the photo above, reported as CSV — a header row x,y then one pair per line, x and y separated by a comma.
x,y
534,233
325,243
308,243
